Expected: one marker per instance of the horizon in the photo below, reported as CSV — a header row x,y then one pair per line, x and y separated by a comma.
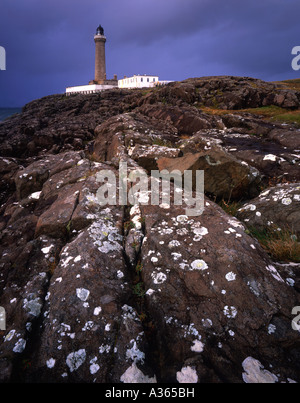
x,y
173,40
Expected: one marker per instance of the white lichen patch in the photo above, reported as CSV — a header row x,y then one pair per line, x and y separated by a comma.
x,y
255,372
33,306
198,346
97,310
120,274
182,218
82,294
50,363
250,207
94,368
105,236
271,329
275,273
198,264
173,244
35,195
88,326
65,262
230,276
270,157
134,353
134,375
19,346
235,223
104,348
287,201
176,256
129,313
290,281
47,249
190,330
187,375
230,311
10,335
76,359
158,278
200,231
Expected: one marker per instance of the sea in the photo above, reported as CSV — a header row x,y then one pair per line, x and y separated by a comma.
x,y
6,112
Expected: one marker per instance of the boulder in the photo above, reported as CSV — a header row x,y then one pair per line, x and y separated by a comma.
x,y
31,179
224,176
215,297
276,207
147,156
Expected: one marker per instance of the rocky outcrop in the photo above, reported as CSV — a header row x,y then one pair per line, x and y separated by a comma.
x,y
225,176
148,292
277,207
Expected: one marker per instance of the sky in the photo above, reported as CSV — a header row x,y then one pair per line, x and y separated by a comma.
x,y
49,44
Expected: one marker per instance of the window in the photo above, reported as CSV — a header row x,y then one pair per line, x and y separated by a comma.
x,y
148,80
142,79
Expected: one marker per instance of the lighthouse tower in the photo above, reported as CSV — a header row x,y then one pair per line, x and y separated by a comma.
x,y
100,82
100,64
100,67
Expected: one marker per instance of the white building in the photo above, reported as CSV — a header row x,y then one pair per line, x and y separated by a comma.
x,y
88,89
138,81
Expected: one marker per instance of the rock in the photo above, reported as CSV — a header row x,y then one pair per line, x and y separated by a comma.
x,y
224,176
147,156
276,207
211,290
287,138
32,178
55,220
8,168
225,92
119,135
134,292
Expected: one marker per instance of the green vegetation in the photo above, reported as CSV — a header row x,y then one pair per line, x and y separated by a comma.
x,y
281,244
275,113
290,84
139,290
163,143
230,207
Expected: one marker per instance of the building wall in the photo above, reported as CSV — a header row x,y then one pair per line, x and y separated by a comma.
x,y
138,82
88,89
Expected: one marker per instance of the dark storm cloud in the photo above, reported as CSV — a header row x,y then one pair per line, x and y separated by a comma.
x,y
49,44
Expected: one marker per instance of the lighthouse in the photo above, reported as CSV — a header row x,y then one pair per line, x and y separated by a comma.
x,y
100,66
100,82
100,62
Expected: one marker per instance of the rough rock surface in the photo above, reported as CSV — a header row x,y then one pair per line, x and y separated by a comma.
x,y
277,206
134,292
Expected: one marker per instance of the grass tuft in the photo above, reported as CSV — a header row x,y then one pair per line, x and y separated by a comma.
x,y
281,244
